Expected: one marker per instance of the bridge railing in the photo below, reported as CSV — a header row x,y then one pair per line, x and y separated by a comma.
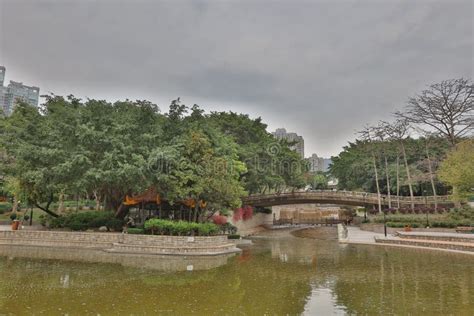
x,y
351,196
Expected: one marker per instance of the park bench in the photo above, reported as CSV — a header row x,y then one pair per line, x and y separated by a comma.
x,y
465,229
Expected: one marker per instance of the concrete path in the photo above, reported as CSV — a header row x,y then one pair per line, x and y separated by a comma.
x,y
5,227
357,236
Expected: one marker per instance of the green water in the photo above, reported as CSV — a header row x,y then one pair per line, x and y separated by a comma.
x,y
279,276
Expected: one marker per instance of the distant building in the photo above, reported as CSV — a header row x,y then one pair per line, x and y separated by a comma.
x,y
298,141
315,163
15,91
318,164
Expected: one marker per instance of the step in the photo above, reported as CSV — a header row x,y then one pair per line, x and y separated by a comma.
x,y
189,250
59,243
454,237
451,245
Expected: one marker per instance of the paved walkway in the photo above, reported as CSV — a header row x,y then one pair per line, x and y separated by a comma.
x,y
5,227
357,236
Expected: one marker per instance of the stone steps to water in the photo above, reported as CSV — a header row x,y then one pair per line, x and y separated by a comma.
x,y
436,236
427,243
190,250
56,243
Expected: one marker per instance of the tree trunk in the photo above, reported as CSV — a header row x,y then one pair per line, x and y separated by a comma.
x,y
46,208
388,183
122,211
430,169
97,201
15,204
377,182
61,203
398,181
410,187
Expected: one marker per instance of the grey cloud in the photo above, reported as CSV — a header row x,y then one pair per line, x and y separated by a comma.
x,y
320,68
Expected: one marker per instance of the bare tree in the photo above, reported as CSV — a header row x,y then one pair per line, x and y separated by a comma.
x,y
381,132
446,107
366,135
399,131
428,138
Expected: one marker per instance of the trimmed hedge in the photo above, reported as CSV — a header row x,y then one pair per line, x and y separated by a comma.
x,y
234,236
136,231
401,225
84,221
180,228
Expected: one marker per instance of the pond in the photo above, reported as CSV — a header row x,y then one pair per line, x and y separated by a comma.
x,y
278,275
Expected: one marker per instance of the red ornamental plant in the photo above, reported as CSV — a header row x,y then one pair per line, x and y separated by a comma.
x,y
243,213
248,213
237,216
219,219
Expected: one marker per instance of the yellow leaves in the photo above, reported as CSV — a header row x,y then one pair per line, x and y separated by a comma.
x,y
458,169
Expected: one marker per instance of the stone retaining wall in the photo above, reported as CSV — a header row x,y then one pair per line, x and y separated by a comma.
x,y
378,228
446,237
121,243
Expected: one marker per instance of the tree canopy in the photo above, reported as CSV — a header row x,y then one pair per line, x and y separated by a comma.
x,y
110,150
458,169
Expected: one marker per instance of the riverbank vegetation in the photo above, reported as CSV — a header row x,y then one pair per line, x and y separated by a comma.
x,y
426,150
73,150
463,216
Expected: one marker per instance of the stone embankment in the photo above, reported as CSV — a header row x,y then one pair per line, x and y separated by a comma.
x,y
432,240
122,243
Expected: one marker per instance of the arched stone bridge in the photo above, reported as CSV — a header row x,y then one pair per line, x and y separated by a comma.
x,y
340,198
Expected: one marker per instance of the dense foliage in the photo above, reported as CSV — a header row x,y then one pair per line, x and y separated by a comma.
x,y
105,151
180,228
353,167
84,221
458,169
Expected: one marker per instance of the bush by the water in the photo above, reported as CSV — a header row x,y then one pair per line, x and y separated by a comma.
x,y
84,221
5,207
180,228
401,225
136,231
463,216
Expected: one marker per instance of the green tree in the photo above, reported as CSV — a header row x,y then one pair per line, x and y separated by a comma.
x,y
458,169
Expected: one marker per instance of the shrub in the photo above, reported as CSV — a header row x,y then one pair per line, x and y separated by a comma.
x,y
5,207
180,228
83,221
114,224
237,216
136,231
228,228
233,236
219,219
263,210
248,213
401,225
207,229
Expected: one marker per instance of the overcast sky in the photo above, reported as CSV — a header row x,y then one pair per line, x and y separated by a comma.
x,y
321,69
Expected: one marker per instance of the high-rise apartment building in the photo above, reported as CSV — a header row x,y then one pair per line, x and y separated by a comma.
x,y
298,141
15,91
318,163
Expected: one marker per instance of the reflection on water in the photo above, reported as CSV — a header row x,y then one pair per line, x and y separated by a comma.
x,y
156,262
280,276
